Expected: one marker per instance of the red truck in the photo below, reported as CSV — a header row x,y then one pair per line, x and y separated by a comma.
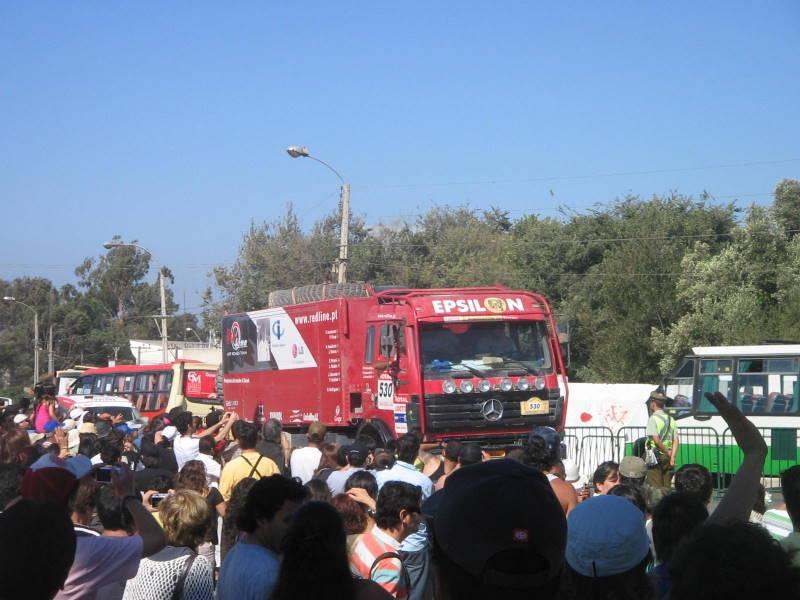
x,y
468,363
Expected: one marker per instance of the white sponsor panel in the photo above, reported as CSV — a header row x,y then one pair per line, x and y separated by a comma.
x,y
286,344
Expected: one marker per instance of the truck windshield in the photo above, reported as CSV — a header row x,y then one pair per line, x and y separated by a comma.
x,y
485,348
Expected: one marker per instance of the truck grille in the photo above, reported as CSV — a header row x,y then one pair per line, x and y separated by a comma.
x,y
462,412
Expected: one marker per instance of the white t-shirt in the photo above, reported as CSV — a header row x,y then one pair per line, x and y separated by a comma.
x,y
337,479
213,469
186,449
304,461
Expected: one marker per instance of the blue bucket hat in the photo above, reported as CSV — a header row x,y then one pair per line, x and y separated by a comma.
x,y
605,536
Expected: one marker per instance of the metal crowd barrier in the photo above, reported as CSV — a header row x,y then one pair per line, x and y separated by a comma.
x,y
782,444
590,446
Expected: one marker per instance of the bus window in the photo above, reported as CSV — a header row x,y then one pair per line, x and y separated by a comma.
x,y
139,397
716,375
164,387
680,386
97,386
119,383
83,387
767,385
165,382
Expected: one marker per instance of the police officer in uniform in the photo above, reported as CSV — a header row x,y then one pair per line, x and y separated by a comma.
x,y
662,441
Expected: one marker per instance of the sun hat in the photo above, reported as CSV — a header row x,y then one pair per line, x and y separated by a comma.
x,y
69,425
76,414
21,418
632,467
169,432
571,474
606,536
87,428
497,507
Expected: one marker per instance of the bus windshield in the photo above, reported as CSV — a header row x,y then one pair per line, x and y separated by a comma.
x,y
485,348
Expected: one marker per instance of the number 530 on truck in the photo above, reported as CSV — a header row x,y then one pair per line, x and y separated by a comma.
x,y
463,363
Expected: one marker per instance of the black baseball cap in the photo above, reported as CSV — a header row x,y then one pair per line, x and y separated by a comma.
x,y
357,450
550,436
499,506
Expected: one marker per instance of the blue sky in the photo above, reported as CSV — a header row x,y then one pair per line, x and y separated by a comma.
x,y
167,122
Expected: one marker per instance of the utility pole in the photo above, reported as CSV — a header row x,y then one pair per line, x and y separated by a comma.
x,y
165,354
35,347
344,233
50,366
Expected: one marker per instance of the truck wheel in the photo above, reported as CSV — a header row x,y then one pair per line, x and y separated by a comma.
x,y
377,430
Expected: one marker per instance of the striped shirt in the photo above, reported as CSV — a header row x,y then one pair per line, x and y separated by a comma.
x,y
388,573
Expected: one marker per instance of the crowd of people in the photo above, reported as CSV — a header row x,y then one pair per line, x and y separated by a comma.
x,y
200,507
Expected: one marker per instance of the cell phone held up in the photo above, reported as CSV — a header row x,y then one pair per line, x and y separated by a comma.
x,y
103,474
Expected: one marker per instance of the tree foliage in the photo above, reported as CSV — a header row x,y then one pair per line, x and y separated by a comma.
x,y
639,280
112,303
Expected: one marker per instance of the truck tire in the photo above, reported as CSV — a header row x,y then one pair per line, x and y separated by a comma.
x,y
377,430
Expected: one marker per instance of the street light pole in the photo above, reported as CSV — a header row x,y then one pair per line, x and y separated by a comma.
x,y
344,229
164,339
344,232
35,335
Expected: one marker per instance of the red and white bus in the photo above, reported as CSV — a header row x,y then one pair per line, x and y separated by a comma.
x,y
151,389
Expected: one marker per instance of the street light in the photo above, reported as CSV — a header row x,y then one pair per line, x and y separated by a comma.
x,y
302,152
195,334
35,335
164,340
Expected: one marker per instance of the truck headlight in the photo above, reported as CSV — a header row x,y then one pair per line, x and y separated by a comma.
x,y
540,383
506,385
484,386
466,386
448,387
523,384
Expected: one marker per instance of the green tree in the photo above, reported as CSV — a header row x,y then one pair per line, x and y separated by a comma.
x,y
787,206
738,295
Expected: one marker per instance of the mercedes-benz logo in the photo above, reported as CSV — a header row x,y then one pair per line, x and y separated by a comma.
x,y
492,410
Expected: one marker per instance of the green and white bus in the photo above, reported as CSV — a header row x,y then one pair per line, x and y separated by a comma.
x,y
763,381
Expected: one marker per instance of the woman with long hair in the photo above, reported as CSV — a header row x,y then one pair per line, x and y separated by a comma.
x,y
328,461
315,543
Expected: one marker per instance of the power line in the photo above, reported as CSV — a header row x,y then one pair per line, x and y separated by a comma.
x,y
585,176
